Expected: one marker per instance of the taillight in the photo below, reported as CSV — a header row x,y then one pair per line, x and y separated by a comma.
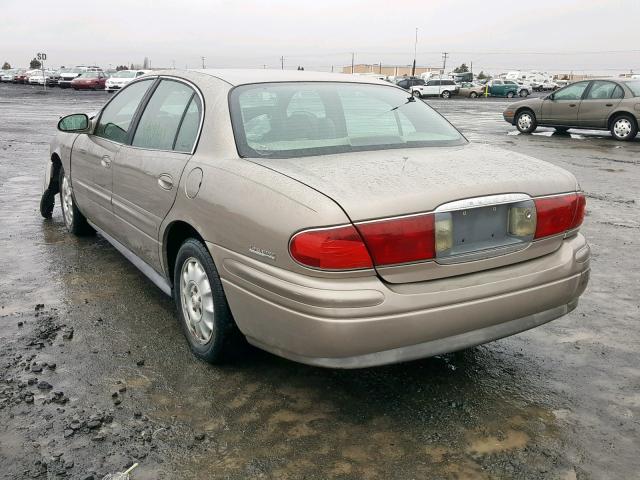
x,y
422,237
400,240
338,248
558,214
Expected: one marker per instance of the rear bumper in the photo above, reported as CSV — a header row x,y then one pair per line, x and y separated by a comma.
x,y
362,322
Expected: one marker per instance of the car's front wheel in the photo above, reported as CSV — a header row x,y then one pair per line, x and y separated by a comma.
x,y
203,311
526,121
509,94
473,95
416,93
524,93
73,218
446,94
624,127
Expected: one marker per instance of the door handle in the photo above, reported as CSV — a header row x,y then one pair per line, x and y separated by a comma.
x,y
165,181
572,104
609,104
106,161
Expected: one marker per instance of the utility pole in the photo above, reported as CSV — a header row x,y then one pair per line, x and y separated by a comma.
x,y
380,71
173,64
353,56
415,51
202,62
444,61
282,62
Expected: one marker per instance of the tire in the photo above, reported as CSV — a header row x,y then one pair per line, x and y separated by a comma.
x,y
210,334
47,202
74,220
416,93
526,121
524,92
473,95
624,127
509,94
446,94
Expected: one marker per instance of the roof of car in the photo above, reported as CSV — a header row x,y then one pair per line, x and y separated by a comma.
x,y
245,76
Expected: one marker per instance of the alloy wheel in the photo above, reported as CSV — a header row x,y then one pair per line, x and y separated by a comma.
x,y
197,301
67,202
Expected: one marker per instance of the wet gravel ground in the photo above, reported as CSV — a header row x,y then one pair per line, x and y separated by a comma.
x,y
95,374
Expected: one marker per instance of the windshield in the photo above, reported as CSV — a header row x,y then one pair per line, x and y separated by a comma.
x,y
634,87
297,119
124,74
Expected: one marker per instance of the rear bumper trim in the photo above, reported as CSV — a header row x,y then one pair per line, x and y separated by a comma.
x,y
431,348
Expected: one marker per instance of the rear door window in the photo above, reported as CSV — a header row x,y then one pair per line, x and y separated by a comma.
x,y
163,115
188,133
601,90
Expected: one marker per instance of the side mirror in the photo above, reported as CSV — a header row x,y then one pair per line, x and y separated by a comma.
x,y
551,97
78,123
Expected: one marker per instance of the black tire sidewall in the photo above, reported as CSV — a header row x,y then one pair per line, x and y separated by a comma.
x,y
214,350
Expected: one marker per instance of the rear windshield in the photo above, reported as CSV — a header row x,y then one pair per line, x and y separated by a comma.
x,y
297,119
634,87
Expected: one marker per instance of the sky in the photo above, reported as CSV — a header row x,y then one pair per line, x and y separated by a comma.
x,y
590,36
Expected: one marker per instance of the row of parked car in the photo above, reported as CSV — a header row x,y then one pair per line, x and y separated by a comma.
x,y
79,78
446,88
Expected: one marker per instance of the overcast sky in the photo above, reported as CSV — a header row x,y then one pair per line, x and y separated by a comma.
x,y
495,35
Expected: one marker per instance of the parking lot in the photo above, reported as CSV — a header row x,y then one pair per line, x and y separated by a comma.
x,y
95,373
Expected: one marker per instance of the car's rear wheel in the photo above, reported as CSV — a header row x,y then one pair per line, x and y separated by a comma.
x,y
416,93
74,220
509,94
624,128
446,94
524,92
473,95
526,121
203,310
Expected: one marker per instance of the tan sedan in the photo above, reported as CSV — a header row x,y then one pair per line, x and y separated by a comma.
x,y
605,104
471,90
331,219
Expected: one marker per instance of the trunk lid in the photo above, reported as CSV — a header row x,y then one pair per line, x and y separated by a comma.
x,y
387,183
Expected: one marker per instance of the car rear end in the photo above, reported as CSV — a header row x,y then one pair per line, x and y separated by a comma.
x,y
441,245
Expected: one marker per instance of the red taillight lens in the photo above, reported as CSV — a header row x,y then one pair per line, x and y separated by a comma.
x,y
558,214
581,208
400,240
338,248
